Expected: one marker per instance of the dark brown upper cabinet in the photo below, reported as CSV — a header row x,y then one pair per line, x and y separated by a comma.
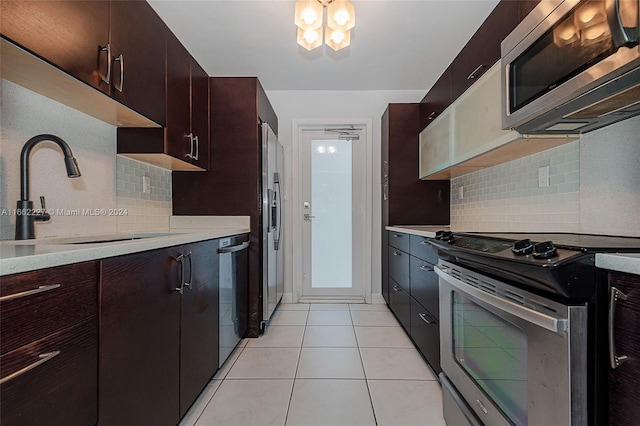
x,y
117,47
483,50
187,130
184,143
138,58
477,56
68,34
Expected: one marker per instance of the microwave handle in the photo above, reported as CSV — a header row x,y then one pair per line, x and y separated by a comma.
x,y
621,35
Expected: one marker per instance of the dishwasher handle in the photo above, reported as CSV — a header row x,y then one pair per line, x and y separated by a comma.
x,y
233,249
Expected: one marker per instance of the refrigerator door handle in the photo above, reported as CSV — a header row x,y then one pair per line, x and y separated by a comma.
x,y
278,195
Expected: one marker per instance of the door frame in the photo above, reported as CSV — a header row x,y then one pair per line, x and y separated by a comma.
x,y
298,126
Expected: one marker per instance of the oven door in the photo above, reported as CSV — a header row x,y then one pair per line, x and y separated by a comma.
x,y
511,363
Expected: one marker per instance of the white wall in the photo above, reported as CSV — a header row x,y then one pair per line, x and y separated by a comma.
x,y
300,105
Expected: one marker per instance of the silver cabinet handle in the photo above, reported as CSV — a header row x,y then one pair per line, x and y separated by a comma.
x,y
190,154
42,359
423,317
426,268
397,235
107,78
196,142
424,242
430,117
396,288
234,249
180,260
473,73
613,356
396,253
120,59
40,289
188,283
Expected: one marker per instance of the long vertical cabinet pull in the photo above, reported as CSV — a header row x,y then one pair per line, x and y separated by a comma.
x,y
188,283
191,141
120,85
180,260
613,356
196,142
107,78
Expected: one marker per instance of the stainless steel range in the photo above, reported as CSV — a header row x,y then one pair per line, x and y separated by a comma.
x,y
523,327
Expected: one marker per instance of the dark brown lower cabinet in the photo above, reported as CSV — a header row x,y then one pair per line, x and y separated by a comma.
x,y
159,333
624,381
49,346
425,333
400,304
199,323
62,389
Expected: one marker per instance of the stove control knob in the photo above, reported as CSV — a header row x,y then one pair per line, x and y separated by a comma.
x,y
439,235
522,247
544,250
447,236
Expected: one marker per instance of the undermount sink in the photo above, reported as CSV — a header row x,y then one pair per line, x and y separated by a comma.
x,y
112,238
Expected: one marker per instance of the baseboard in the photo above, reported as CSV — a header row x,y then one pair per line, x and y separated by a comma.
x,y
377,298
287,298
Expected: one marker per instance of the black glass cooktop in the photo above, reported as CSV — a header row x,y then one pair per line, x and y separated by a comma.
x,y
582,242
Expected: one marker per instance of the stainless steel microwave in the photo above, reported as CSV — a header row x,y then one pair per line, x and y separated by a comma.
x,y
572,66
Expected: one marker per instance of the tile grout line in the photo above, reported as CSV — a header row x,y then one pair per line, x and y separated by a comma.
x,y
364,371
295,373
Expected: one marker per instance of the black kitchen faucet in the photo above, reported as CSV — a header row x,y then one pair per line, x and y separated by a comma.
x,y
25,214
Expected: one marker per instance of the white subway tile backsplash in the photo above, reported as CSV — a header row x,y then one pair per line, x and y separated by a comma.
x,y
507,197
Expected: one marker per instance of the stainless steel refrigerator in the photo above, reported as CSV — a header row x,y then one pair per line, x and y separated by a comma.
x,y
272,223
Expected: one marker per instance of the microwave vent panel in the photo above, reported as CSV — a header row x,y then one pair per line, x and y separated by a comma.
x,y
617,102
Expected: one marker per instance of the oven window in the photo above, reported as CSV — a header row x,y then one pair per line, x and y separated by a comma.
x,y
573,45
493,352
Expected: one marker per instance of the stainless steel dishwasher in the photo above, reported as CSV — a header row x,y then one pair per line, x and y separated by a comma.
x,y
233,293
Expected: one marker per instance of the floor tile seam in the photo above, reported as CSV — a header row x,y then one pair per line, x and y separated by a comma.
x,y
364,371
295,373
232,364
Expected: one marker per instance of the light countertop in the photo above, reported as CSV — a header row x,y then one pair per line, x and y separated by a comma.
x,y
621,262
422,230
30,255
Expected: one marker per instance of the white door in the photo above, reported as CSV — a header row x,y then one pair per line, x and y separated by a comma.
x,y
332,209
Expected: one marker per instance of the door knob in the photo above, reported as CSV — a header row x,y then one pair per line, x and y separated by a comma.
x,y
308,217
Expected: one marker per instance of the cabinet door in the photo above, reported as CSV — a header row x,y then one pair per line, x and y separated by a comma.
x,y
435,145
422,249
68,34
437,99
139,339
62,388
483,50
199,321
400,304
424,285
477,119
624,381
399,267
200,113
399,240
425,333
138,40
178,142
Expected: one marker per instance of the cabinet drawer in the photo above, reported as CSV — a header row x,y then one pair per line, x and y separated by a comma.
x,y
421,248
63,390
400,304
399,240
424,285
38,303
399,267
425,333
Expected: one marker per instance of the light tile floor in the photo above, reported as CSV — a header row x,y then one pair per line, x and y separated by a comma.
x,y
324,365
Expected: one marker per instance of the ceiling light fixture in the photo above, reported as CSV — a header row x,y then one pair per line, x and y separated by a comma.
x,y
309,16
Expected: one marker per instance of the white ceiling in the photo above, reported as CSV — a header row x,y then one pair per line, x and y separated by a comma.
x,y
396,45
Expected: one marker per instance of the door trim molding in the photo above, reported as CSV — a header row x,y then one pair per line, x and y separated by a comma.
x,y
298,126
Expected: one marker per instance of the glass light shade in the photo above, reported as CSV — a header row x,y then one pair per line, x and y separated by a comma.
x,y
565,33
308,14
341,15
310,39
591,13
337,39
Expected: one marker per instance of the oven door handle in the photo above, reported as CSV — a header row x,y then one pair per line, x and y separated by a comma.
x,y
545,321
